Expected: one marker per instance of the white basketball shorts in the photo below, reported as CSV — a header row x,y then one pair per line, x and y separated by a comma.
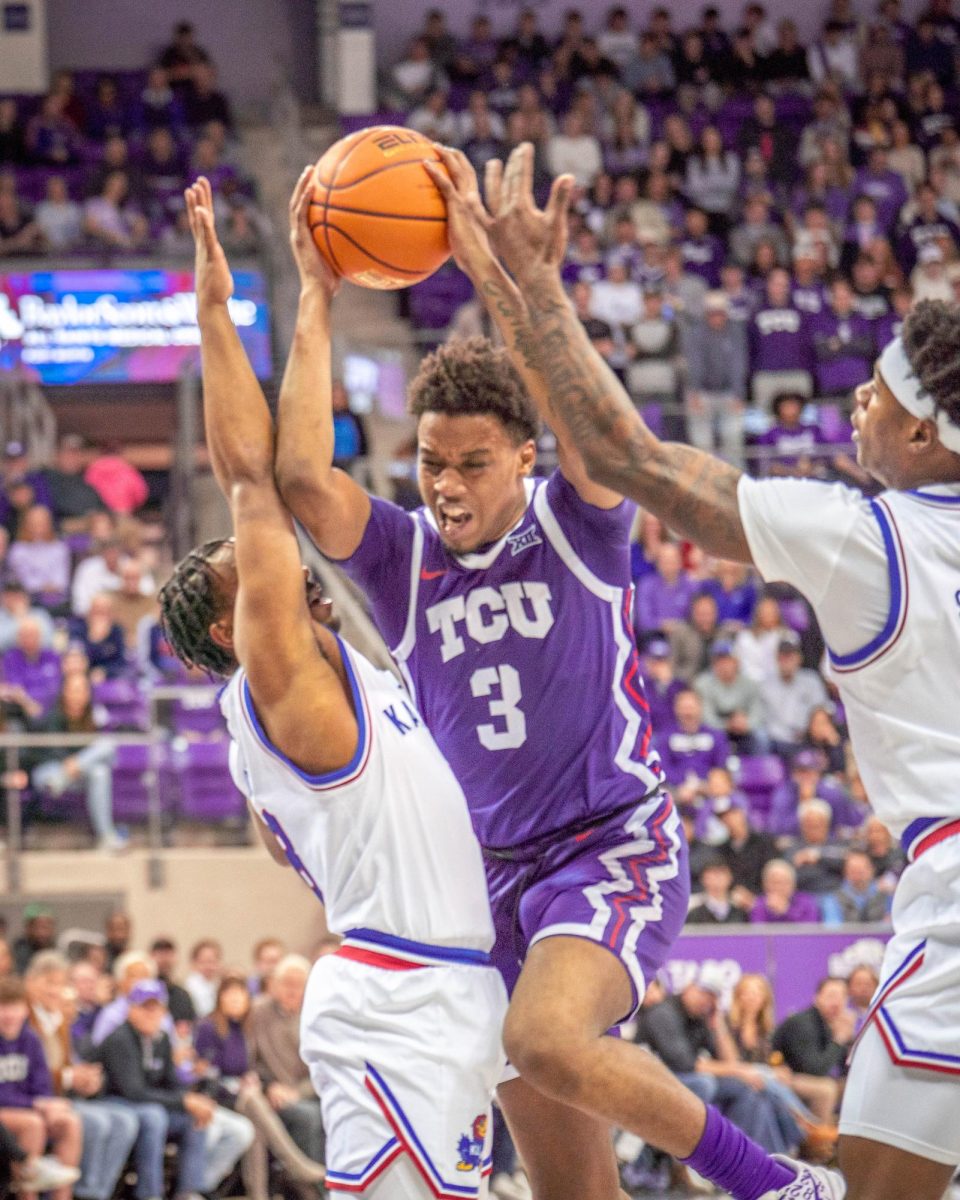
x,y
403,1044
904,1084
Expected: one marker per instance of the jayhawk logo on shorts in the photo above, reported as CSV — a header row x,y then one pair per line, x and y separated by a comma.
x,y
470,1146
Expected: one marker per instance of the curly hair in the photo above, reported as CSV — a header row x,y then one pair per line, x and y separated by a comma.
x,y
931,339
472,376
189,603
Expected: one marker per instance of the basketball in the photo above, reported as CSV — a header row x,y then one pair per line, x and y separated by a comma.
x,y
376,215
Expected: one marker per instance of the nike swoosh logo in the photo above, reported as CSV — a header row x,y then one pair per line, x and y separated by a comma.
x,y
425,574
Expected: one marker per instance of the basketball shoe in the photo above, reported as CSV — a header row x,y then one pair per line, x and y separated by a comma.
x,y
811,1183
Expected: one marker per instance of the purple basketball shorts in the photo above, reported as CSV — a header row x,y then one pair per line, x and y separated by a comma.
x,y
623,883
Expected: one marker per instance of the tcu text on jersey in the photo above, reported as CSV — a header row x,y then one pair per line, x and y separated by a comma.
x,y
486,613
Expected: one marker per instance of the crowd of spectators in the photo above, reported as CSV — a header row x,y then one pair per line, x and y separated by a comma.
x,y
753,217
99,163
81,645
107,1060
754,745
780,1082
752,220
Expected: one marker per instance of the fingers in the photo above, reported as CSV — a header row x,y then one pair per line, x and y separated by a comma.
x,y
518,177
440,178
302,193
493,184
559,202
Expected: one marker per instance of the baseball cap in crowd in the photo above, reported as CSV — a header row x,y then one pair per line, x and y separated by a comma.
x,y
789,643
657,648
148,991
33,911
716,301
709,980
722,649
725,804
808,760
930,252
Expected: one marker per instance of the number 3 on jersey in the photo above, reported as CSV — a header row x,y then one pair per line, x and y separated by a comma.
x,y
485,682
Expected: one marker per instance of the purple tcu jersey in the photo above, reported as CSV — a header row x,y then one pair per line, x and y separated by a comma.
x,y
521,658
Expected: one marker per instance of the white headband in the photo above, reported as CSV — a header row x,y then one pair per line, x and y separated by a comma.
x,y
902,380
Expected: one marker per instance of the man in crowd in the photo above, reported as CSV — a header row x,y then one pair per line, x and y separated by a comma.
x,y
139,1069
790,696
274,1035
816,1040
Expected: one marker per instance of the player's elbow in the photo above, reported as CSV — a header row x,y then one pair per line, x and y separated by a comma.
x,y
302,482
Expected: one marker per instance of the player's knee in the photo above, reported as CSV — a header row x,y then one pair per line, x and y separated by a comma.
x,y
541,1052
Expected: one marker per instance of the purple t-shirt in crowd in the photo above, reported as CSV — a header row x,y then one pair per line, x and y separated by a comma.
x,y
41,566
844,351
886,189
703,256
780,340
803,908
788,446
520,657
659,601
684,754
227,1052
661,706
39,677
24,1074
808,297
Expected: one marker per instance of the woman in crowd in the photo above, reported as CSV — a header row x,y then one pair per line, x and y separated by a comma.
x,y
39,559
57,769
811,1098
824,735
221,1043
756,647
102,639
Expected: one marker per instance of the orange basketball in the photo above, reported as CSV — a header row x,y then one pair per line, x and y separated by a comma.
x,y
376,215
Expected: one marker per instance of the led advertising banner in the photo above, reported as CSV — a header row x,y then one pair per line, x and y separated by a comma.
x,y
118,326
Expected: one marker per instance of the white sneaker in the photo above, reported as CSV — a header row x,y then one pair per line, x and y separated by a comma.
x,y
46,1174
811,1183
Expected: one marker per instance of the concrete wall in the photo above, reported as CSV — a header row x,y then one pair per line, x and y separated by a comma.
x,y
235,895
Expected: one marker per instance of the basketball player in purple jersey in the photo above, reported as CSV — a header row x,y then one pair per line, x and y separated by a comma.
x,y
506,603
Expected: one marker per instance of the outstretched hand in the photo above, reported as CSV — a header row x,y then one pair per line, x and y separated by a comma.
x,y
311,264
468,222
213,281
527,238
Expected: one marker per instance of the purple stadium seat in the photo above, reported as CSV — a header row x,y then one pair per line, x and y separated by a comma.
x,y
758,776
207,792
130,783
124,702
197,716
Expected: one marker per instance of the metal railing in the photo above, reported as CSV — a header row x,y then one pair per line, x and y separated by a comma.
x,y
156,736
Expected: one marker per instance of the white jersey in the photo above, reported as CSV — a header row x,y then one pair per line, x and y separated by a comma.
x,y
385,842
883,577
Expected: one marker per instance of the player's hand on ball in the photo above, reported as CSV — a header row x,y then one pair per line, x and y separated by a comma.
x,y
527,238
214,283
468,222
311,264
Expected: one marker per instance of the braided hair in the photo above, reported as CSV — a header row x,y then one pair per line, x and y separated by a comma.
x,y
189,604
931,339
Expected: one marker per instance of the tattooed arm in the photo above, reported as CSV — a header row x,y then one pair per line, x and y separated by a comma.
x,y
468,222
693,493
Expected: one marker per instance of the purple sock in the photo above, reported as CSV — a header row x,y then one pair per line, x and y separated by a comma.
x,y
726,1156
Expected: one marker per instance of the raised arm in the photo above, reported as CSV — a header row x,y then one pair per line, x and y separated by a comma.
x,y
325,500
469,222
293,683
692,492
